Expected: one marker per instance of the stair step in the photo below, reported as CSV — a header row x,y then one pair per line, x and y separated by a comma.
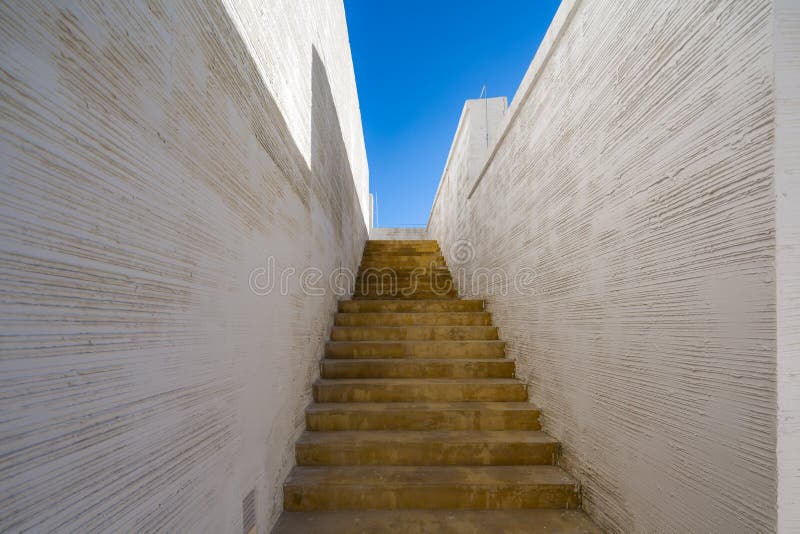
x,y
394,261
405,295
418,293
428,487
405,281
440,521
400,251
402,243
415,349
384,244
414,319
415,390
403,273
405,285
426,448
422,416
393,333
355,306
417,368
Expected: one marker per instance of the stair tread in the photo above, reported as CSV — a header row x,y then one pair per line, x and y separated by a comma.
x,y
366,437
445,475
423,301
333,368
415,333
415,341
392,328
383,407
531,521
393,361
416,381
410,306
380,315
483,348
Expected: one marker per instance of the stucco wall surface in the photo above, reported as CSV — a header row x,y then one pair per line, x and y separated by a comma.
x,y
153,154
787,258
635,178
478,131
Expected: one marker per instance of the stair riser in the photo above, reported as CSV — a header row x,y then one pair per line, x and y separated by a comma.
x,y
413,319
417,393
400,252
428,454
397,262
403,273
436,521
380,245
419,496
412,369
443,333
417,295
355,306
393,291
411,420
403,279
415,349
395,286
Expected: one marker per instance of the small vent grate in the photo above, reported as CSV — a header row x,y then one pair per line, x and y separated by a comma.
x,y
249,513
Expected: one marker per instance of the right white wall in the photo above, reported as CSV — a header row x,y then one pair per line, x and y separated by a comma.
x,y
635,176
787,258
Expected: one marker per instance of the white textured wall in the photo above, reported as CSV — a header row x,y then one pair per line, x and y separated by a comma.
x,y
479,128
152,154
787,231
636,177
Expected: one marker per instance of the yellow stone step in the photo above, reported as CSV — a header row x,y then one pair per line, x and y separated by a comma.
x,y
428,487
400,295
440,284
395,290
409,319
439,521
404,278
419,389
403,272
383,262
417,368
356,306
415,349
381,333
373,252
414,292
422,416
426,448
394,243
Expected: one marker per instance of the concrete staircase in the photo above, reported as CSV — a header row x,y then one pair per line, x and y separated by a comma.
x,y
418,423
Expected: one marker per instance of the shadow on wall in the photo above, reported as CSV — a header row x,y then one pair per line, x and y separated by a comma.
x,y
335,229
331,173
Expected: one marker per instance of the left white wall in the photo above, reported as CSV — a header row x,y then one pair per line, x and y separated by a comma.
x,y
152,155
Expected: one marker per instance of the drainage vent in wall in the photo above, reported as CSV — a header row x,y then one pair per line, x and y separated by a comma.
x,y
249,513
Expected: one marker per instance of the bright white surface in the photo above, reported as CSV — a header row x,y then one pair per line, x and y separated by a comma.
x,y
152,154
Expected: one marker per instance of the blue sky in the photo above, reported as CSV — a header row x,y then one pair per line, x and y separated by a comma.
x,y
416,62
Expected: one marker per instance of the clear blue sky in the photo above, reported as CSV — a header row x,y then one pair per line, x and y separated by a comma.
x,y
416,62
